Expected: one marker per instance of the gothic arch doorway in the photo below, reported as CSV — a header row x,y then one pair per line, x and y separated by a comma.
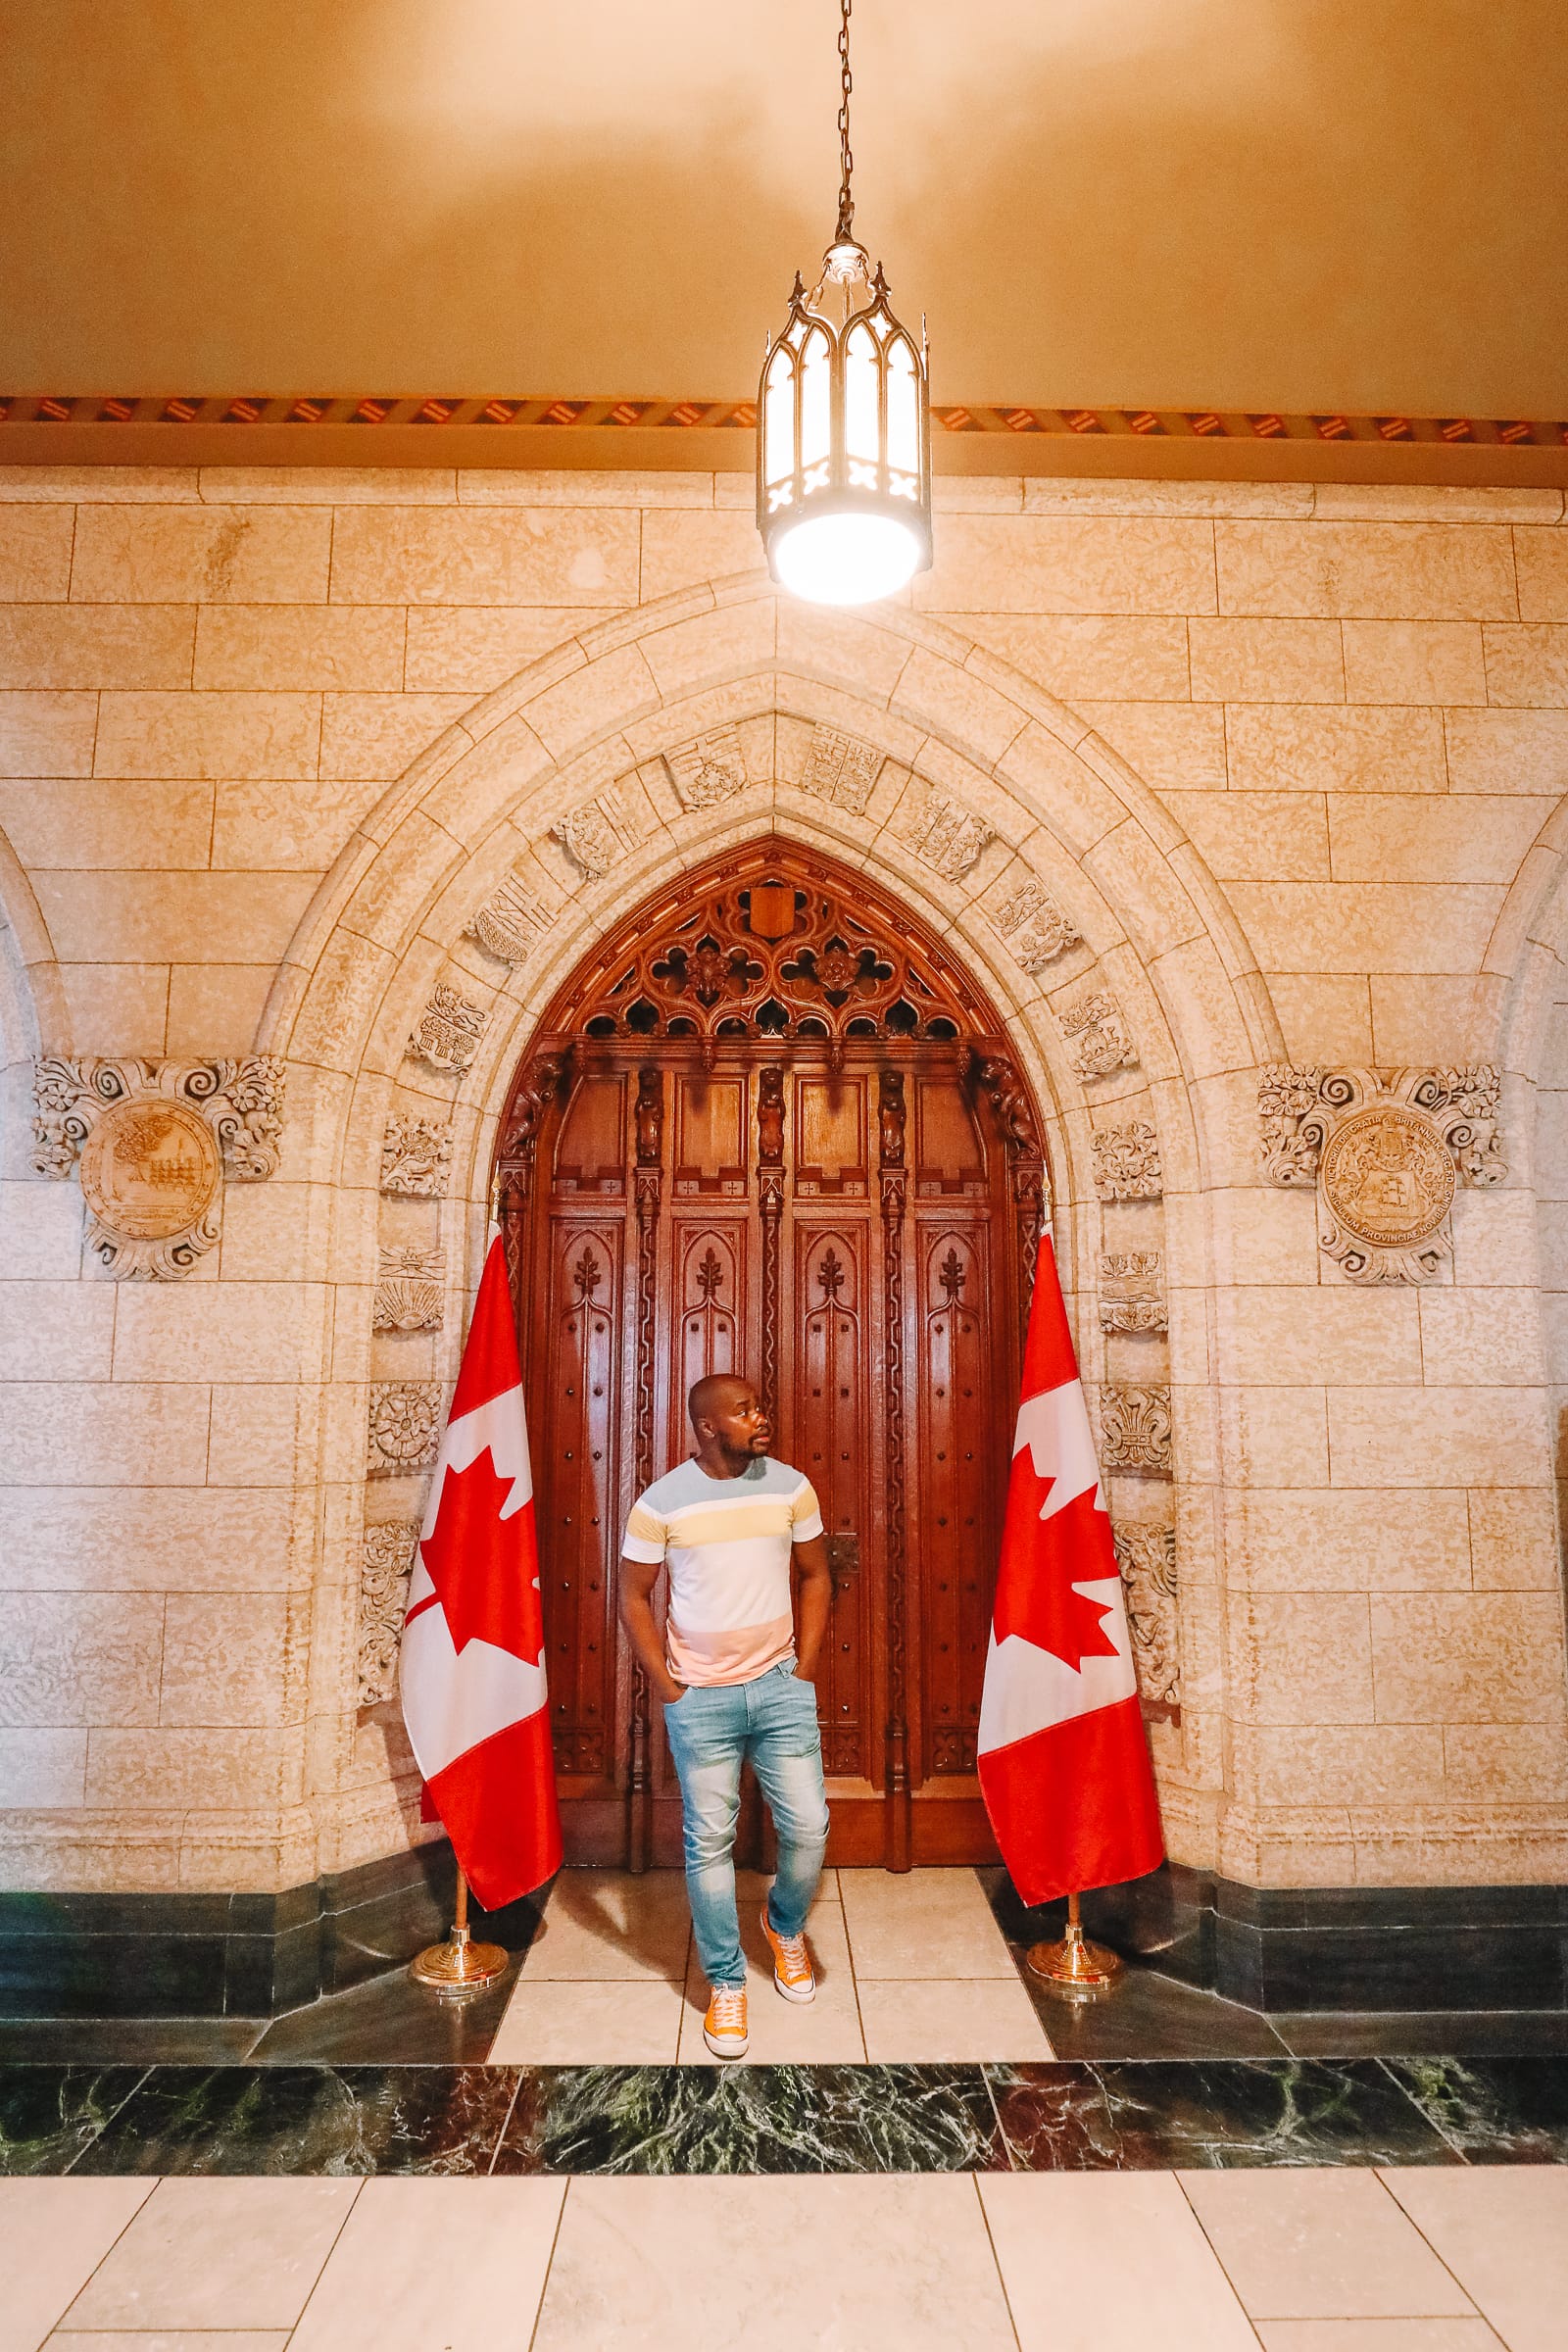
x,y
770,1124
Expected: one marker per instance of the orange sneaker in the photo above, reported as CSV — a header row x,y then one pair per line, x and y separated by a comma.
x,y
725,2025
792,1964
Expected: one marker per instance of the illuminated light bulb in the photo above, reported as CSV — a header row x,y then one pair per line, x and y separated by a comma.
x,y
852,559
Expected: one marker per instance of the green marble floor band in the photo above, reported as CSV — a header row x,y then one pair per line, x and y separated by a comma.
x,y
585,2119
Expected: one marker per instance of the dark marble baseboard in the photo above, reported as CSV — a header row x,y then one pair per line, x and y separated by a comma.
x,y
1330,1947
230,1955
1074,2116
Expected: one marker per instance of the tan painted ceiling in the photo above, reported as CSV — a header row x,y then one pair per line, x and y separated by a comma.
x,y
1292,204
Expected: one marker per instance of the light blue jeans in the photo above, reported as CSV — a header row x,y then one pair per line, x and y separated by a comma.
x,y
712,1732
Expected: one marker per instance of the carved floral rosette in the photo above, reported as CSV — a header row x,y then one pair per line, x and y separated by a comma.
x,y
1127,1162
1145,1554
403,1431
1385,1153
386,1561
155,1140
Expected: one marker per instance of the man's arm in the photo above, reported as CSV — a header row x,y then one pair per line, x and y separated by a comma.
x,y
816,1599
637,1581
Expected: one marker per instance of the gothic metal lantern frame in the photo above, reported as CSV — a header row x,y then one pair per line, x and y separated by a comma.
x,y
843,436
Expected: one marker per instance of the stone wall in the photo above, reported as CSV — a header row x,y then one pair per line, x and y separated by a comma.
x,y
1206,782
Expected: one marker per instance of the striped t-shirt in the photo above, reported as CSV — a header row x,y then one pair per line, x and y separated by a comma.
x,y
727,1543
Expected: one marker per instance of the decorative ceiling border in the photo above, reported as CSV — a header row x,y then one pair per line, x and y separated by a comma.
x,y
241,410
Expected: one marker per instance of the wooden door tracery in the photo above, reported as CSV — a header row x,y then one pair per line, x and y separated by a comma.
x,y
769,1125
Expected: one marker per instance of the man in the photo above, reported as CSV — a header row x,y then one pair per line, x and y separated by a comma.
x,y
733,1680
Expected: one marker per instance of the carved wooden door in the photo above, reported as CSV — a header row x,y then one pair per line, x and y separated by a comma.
x,y
769,1131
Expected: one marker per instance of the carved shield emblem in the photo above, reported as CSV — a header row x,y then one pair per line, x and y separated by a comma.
x,y
150,1170
1388,1176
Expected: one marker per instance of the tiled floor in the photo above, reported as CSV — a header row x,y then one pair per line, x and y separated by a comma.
x,y
909,1969
1297,2261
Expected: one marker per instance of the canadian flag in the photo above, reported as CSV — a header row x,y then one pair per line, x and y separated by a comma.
x,y
1063,1762
473,1672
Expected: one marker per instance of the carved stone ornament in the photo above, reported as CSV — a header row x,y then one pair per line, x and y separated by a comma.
x,y
510,922
1387,1153
591,834
1135,1428
385,1564
1131,1299
948,837
447,1033
1146,1558
840,770
404,1426
1034,927
1127,1162
416,1156
408,1288
155,1142
1103,1045
710,770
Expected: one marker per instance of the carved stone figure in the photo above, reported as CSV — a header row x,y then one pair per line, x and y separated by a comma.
x,y
1135,1427
591,836
1386,1152
1127,1162
1146,1558
1104,1045
156,1140
510,923
948,837
1034,927
710,770
448,1032
840,770
416,1156
409,1291
386,1560
404,1426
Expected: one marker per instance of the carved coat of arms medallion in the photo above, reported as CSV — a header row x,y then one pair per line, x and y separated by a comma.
x,y
150,1170
1387,1176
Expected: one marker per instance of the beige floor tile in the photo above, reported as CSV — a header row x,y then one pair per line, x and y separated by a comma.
x,y
923,1922
458,2264
775,2265
1108,2262
217,2254
936,2019
1502,2230
53,2235
825,2032
1320,2245
1376,2335
605,1923
184,2339
624,2021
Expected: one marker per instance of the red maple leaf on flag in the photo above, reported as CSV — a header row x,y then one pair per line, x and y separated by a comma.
x,y
1044,1562
483,1566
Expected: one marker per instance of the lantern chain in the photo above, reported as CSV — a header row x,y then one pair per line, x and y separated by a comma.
x,y
846,228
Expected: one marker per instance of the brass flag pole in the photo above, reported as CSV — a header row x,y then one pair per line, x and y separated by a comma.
x,y
458,1965
1074,1967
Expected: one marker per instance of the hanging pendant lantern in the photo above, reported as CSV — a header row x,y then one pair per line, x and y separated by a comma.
x,y
842,430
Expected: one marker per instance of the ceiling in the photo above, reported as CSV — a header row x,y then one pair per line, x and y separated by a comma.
x,y
1290,204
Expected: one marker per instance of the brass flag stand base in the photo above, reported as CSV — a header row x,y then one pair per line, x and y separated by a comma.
x,y
459,1966
1076,1969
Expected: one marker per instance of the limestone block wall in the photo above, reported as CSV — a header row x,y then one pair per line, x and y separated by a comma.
x,y
1290,766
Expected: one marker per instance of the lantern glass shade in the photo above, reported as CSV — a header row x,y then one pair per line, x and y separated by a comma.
x,y
844,459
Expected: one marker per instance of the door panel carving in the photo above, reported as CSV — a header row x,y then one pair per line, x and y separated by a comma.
x,y
798,1150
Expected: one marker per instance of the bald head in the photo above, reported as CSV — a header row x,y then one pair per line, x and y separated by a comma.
x,y
730,1422
716,1395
